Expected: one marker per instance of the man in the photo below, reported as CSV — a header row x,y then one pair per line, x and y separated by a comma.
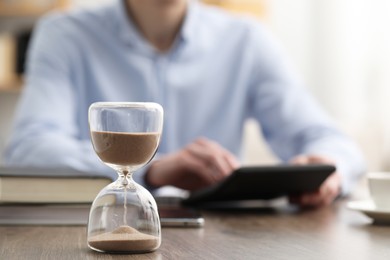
x,y
209,70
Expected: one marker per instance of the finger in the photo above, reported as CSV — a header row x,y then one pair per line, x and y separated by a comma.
x,y
317,198
311,159
177,169
311,199
215,157
232,161
300,160
331,188
196,165
203,171
324,196
229,163
319,159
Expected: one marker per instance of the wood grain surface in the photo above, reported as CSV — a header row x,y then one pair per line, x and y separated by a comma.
x,y
285,233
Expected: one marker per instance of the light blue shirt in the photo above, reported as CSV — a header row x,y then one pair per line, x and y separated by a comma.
x,y
221,71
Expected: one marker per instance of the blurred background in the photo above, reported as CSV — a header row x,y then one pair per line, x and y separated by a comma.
x,y
341,49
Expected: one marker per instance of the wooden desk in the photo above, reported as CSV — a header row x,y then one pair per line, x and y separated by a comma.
x,y
328,233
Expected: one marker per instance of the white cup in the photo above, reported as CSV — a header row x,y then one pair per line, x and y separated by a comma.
x,y
379,185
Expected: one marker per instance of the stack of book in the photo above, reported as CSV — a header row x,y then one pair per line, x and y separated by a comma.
x,y
47,196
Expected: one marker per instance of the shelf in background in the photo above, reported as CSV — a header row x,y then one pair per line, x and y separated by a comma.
x,y
29,7
255,8
14,86
19,15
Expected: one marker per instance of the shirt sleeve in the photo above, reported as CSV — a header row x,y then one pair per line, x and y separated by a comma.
x,y
292,121
45,132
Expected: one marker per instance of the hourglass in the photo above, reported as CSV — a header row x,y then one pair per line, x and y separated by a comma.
x,y
123,217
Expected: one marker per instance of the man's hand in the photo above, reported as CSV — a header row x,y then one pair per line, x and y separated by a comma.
x,y
328,191
197,165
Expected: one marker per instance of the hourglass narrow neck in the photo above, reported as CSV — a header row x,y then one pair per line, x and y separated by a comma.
x,y
125,177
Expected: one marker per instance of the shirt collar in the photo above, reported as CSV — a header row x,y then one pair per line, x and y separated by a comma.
x,y
129,34
188,29
197,30
126,29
